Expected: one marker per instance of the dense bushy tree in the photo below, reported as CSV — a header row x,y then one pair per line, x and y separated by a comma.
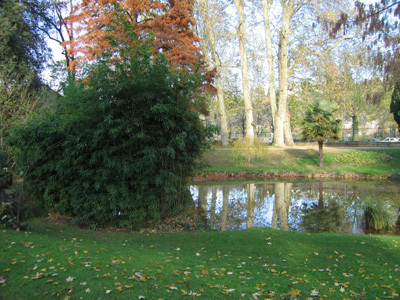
x,y
118,148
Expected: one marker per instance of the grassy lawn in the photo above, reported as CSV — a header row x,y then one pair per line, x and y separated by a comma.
x,y
57,261
336,160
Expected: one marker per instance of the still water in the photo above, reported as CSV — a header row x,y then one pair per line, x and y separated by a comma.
x,y
299,206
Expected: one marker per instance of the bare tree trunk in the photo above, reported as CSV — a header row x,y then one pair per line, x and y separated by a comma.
x,y
283,65
270,57
279,109
288,130
245,70
217,63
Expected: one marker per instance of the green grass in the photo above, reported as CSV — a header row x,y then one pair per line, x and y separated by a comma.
x,y
369,162
56,261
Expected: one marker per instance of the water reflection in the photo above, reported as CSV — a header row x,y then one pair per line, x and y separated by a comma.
x,y
300,206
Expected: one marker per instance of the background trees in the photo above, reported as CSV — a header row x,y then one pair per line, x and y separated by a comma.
x,y
281,68
379,22
248,106
209,43
22,56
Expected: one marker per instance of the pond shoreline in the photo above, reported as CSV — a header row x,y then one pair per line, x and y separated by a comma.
x,y
244,175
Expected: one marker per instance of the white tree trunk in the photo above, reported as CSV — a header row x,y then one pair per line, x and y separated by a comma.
x,y
245,79
210,37
287,129
279,109
283,69
270,57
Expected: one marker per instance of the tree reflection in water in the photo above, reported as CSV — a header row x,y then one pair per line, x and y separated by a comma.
x,y
323,216
301,206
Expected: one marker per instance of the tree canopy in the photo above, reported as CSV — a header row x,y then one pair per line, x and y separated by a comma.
x,y
170,22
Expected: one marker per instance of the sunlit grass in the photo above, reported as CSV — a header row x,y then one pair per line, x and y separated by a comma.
x,y
369,162
57,261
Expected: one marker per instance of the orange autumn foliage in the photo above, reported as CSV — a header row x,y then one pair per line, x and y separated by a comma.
x,y
169,21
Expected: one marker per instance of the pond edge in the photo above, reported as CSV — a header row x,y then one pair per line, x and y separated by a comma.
x,y
227,175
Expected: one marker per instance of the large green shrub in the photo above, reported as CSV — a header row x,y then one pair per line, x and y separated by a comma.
x,y
117,149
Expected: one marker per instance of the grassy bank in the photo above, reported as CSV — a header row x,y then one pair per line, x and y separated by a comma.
x,y
55,261
336,160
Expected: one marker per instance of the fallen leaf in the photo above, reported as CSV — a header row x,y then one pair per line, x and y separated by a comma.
x,y
294,293
227,291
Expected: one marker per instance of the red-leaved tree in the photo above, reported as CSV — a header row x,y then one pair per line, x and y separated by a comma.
x,y
167,23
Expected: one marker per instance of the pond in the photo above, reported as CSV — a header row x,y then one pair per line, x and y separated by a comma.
x,y
356,207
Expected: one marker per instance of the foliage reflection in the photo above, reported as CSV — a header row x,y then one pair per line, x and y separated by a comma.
x,y
300,206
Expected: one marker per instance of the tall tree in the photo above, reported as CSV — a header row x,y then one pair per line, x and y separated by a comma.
x,y
22,56
267,4
170,22
342,78
299,37
288,10
379,22
319,124
209,42
279,109
245,71
53,15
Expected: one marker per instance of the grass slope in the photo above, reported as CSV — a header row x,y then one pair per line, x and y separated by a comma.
x,y
362,161
54,260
